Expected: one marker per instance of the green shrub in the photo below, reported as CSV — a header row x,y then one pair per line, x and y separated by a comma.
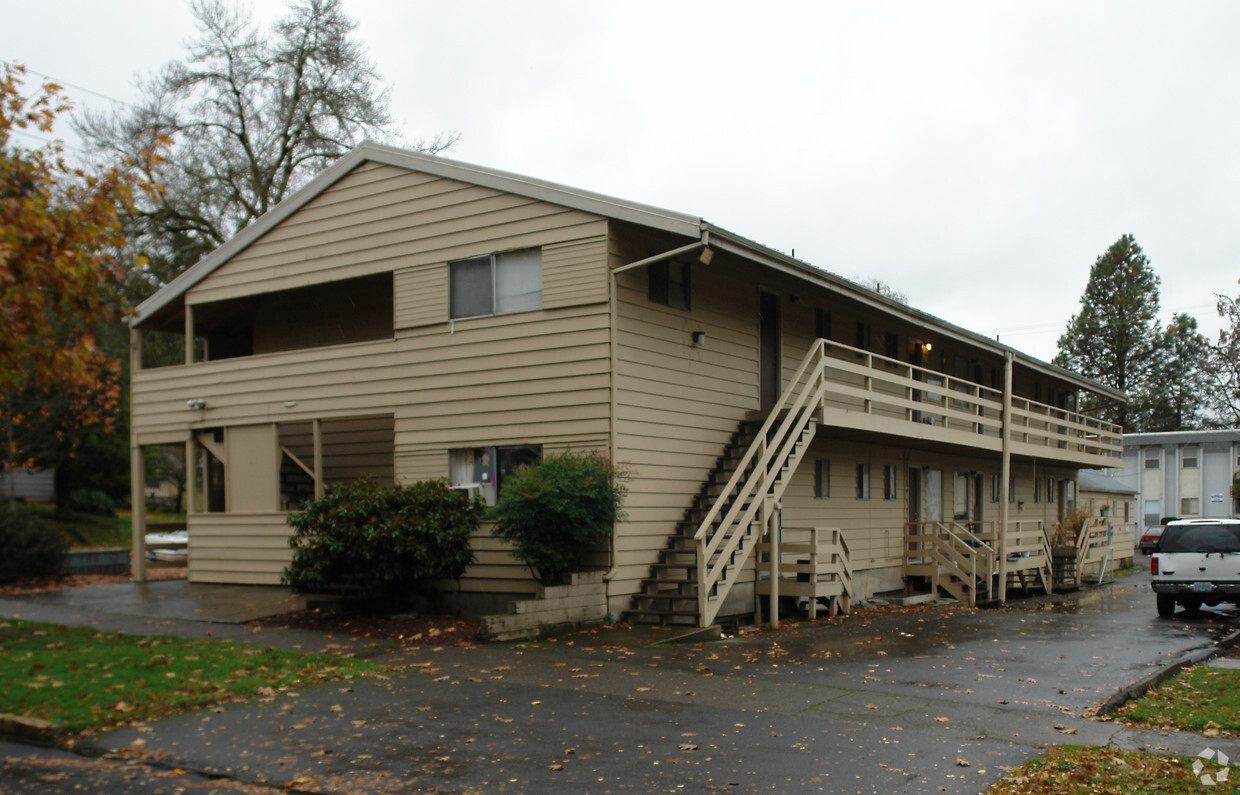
x,y
555,511
92,501
29,546
381,541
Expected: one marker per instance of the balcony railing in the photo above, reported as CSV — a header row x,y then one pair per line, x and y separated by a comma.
x,y
872,392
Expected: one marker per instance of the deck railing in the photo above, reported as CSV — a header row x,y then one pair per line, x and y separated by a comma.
x,y
815,563
843,386
895,395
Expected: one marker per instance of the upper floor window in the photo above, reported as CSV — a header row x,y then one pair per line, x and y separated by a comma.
x,y
822,323
1151,459
1189,458
495,284
863,335
669,284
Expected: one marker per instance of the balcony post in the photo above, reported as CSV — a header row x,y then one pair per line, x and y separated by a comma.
x,y
1005,476
189,334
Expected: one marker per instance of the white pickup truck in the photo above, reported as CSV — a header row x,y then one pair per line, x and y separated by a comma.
x,y
1196,562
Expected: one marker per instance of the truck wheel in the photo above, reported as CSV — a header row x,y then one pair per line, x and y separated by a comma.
x,y
1166,605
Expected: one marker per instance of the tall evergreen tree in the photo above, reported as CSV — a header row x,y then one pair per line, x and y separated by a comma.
x,y
1224,365
1115,337
1178,393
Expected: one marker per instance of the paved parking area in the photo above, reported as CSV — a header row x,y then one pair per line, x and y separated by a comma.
x,y
911,700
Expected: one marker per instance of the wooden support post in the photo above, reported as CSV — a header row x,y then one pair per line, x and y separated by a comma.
x,y
137,474
189,334
191,469
319,487
1005,476
137,505
768,524
813,573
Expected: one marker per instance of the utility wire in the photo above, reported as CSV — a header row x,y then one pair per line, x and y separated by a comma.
x,y
67,84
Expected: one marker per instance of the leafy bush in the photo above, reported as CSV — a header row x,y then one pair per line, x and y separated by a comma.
x,y
555,511
29,546
381,541
92,501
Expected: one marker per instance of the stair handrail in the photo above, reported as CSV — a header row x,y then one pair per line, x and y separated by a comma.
x,y
795,421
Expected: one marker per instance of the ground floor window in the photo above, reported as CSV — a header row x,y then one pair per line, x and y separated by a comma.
x,y
822,479
889,482
863,481
482,470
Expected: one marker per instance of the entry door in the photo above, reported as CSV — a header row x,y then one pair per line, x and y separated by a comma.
x,y
770,379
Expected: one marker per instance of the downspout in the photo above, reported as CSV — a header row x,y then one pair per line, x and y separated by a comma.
x,y
613,309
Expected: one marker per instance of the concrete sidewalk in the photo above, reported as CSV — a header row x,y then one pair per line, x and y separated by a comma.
x,y
178,607
915,700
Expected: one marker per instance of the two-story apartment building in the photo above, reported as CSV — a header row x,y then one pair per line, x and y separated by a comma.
x,y
410,317
1186,474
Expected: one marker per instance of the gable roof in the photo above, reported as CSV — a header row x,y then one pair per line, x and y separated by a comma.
x,y
598,204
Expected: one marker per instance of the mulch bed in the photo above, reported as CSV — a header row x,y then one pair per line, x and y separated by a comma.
x,y
413,631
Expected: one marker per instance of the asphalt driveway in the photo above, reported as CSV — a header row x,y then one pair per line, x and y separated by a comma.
x,y
930,699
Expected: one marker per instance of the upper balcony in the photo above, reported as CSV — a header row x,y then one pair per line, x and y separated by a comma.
x,y
873,393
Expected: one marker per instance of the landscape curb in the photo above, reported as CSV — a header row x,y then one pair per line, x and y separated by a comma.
x,y
1142,686
30,730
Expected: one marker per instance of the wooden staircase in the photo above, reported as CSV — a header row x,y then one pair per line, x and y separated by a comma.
x,y
954,559
669,594
736,507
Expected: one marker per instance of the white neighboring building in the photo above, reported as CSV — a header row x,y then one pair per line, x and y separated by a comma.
x,y
1185,474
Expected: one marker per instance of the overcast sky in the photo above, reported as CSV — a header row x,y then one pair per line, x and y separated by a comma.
x,y
976,156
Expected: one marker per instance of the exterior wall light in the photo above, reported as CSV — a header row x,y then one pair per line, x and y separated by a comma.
x,y
196,403
699,338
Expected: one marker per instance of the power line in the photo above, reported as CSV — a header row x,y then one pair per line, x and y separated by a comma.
x,y
67,84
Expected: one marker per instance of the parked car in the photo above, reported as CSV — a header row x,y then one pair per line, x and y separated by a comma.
x,y
1149,539
1196,562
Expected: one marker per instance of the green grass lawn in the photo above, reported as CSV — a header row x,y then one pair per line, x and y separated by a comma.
x,y
1199,699
1082,769
85,679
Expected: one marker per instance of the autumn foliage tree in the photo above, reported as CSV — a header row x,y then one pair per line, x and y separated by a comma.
x,y
62,247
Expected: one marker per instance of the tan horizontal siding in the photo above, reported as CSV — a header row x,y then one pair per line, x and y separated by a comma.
x,y
378,219
677,404
489,367
240,548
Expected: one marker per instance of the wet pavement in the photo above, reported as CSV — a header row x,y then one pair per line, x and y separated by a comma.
x,y
927,699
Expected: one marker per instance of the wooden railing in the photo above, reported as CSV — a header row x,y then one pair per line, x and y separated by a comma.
x,y
847,387
954,557
1027,553
896,395
1093,545
818,567
745,509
